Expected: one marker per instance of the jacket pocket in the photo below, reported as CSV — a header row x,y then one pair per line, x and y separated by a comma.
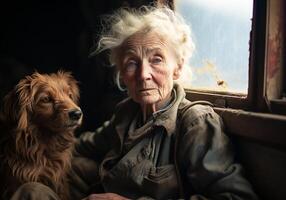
x,y
161,182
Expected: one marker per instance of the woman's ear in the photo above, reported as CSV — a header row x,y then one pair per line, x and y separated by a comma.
x,y
119,82
178,70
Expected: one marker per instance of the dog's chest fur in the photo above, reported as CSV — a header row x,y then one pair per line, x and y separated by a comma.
x,y
46,161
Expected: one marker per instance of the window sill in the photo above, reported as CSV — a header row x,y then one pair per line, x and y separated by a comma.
x,y
262,127
220,99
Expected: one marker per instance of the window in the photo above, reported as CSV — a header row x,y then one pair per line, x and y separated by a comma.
x,y
240,53
221,33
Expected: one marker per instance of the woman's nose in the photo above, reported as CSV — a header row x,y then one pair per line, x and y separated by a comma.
x,y
144,71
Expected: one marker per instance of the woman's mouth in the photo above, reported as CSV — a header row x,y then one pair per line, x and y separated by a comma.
x,y
146,91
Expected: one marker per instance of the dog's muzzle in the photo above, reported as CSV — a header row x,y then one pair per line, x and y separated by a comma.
x,y
75,114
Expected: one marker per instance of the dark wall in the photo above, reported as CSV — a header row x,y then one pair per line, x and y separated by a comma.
x,y
37,36
42,35
50,35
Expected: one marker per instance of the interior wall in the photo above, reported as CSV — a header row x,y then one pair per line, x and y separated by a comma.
x,y
46,36
264,166
260,145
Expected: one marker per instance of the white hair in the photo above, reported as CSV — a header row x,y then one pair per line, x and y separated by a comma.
x,y
164,21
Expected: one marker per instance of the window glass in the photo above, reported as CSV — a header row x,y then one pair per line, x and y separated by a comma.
x,y
221,33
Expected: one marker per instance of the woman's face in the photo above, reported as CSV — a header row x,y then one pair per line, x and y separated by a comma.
x,y
148,67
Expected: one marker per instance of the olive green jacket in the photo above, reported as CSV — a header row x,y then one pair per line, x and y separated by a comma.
x,y
198,148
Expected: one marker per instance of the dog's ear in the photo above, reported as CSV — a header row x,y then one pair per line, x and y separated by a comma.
x,y
73,84
17,104
10,106
74,89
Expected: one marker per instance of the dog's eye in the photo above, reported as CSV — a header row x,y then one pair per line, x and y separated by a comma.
x,y
46,99
70,95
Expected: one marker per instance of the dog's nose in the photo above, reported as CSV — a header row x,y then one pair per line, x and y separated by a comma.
x,y
75,114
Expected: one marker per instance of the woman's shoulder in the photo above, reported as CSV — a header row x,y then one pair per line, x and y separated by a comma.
x,y
124,109
195,109
200,113
201,121
125,104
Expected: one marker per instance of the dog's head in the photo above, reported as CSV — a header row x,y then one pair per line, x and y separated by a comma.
x,y
48,102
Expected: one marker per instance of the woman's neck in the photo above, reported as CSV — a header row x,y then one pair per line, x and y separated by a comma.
x,y
149,109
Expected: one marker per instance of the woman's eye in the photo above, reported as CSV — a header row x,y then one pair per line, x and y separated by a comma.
x,y
156,60
70,95
131,66
46,99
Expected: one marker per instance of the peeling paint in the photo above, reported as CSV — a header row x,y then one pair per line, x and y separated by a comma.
x,y
275,46
274,53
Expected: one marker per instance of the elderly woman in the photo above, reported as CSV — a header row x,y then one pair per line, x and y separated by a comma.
x,y
157,145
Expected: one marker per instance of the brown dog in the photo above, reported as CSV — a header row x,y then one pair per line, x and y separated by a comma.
x,y
36,136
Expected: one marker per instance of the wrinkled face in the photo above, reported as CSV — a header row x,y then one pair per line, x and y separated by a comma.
x,y
54,106
148,67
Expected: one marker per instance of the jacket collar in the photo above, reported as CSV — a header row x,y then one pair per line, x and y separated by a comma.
x,y
168,118
127,110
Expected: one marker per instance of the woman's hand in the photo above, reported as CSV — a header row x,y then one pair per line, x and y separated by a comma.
x,y
105,196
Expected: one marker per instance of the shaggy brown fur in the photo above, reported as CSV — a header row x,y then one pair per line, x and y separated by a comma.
x,y
36,132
